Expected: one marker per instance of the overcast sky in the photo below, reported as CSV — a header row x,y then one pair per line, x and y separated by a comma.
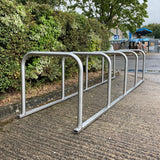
x,y
153,12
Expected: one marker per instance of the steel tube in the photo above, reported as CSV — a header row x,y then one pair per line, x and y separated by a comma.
x,y
130,90
102,69
23,95
114,65
80,93
42,107
125,66
136,63
87,71
144,59
63,77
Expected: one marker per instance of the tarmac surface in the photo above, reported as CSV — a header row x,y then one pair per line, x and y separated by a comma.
x,y
129,130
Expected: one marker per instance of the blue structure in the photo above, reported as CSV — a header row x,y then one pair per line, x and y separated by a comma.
x,y
140,40
130,35
116,36
139,32
143,31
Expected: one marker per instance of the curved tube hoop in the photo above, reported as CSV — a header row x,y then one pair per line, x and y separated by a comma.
x,y
80,92
136,63
125,67
98,114
144,60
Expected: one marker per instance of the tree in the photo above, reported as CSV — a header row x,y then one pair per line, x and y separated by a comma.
x,y
53,3
122,14
155,28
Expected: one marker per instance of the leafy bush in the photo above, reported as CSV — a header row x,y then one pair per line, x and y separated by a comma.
x,y
82,34
101,36
23,29
12,30
37,27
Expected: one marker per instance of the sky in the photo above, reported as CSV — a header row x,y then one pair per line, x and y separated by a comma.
x,y
153,12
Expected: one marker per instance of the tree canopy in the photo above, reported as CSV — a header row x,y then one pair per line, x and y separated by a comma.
x,y
122,14
53,3
155,28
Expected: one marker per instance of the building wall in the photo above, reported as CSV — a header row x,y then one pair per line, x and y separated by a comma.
x,y
116,32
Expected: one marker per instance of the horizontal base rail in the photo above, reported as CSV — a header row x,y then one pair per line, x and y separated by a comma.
x,y
59,100
102,111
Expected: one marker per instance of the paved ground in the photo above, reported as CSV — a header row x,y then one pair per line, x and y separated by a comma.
x,y
153,62
129,130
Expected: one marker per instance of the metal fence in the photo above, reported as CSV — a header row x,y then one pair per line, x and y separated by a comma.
x,y
76,55
154,46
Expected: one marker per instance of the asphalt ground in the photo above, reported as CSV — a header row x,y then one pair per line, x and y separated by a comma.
x,y
129,130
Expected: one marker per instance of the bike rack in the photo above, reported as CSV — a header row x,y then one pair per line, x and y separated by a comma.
x,y
125,66
143,66
136,64
136,84
104,54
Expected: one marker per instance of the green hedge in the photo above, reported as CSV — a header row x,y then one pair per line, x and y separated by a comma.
x,y
37,27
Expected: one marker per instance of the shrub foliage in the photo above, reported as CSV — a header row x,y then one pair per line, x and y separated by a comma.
x,y
37,27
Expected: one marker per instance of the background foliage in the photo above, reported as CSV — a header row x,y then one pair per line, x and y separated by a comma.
x,y
155,28
123,14
38,27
